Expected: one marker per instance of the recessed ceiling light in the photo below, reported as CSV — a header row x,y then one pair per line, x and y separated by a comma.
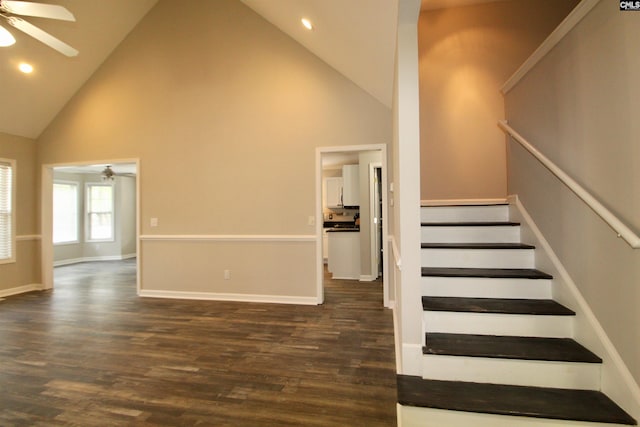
x,y
307,24
25,68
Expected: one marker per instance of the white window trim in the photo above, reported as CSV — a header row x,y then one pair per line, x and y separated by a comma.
x,y
87,201
14,173
78,210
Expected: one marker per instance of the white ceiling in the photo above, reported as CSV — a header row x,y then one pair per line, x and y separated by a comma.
x,y
356,37
117,168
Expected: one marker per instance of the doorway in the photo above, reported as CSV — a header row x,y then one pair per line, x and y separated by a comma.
x,y
371,163
90,213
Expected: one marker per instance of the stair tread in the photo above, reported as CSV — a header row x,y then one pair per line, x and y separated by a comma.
x,y
537,402
476,246
495,305
508,347
470,224
514,273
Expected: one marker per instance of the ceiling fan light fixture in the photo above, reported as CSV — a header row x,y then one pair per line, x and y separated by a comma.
x,y
6,39
108,174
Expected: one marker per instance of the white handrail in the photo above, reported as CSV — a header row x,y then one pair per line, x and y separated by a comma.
x,y
622,230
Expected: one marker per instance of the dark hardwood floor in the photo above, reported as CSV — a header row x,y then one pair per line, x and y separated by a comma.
x,y
91,353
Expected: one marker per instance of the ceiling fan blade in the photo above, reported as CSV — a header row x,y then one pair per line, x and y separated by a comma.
x,y
40,10
6,39
42,36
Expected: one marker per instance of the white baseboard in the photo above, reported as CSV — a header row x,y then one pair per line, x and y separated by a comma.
x,y
95,258
617,381
213,296
367,278
21,290
462,202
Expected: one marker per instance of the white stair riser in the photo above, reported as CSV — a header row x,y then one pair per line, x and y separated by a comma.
x,y
477,258
481,287
464,213
535,373
470,234
498,324
412,416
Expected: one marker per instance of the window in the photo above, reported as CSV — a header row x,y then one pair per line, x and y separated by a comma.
x,y
99,212
65,212
7,219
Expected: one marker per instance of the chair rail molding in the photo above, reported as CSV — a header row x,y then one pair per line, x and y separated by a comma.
x,y
613,221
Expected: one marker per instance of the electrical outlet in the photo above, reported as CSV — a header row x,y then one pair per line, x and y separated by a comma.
x,y
227,274
312,220
153,222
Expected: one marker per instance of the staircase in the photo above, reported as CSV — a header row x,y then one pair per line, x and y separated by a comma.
x,y
497,349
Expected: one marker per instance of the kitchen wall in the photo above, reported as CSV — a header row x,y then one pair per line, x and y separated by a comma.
x,y
578,107
26,270
224,112
466,54
124,243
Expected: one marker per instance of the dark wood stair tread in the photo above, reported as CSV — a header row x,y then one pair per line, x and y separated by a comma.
x,y
500,273
537,402
539,307
470,224
508,347
476,246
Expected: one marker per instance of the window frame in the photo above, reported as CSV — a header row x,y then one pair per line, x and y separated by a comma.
x,y
12,213
78,212
87,207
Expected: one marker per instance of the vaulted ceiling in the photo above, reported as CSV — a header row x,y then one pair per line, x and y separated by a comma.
x,y
356,37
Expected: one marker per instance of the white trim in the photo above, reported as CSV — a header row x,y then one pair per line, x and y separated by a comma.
x,y
367,278
20,290
617,381
396,252
576,15
232,237
618,226
462,202
214,296
13,166
26,237
92,259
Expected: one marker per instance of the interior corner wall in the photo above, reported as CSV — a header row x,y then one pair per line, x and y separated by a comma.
x,y
578,107
466,54
25,270
224,112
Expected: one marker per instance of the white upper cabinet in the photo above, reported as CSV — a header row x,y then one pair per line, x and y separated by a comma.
x,y
351,185
333,193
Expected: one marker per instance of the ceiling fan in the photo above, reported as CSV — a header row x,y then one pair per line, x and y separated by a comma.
x,y
9,8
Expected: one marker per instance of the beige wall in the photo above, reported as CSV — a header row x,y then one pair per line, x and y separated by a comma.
x,y
124,242
224,112
579,107
26,269
466,54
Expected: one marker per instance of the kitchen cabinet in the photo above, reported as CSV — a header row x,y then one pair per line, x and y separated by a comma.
x,y
333,193
351,185
344,254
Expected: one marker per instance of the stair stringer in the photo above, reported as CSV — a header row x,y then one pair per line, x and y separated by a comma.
x,y
616,379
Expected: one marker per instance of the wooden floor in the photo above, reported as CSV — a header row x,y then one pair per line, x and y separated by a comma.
x,y
91,353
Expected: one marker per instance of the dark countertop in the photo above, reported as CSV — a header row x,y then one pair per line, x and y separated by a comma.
x,y
344,230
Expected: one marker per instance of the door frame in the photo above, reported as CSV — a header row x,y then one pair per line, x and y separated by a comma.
x,y
320,151
46,217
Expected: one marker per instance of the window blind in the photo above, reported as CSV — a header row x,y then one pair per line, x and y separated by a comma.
x,y
6,210
100,211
